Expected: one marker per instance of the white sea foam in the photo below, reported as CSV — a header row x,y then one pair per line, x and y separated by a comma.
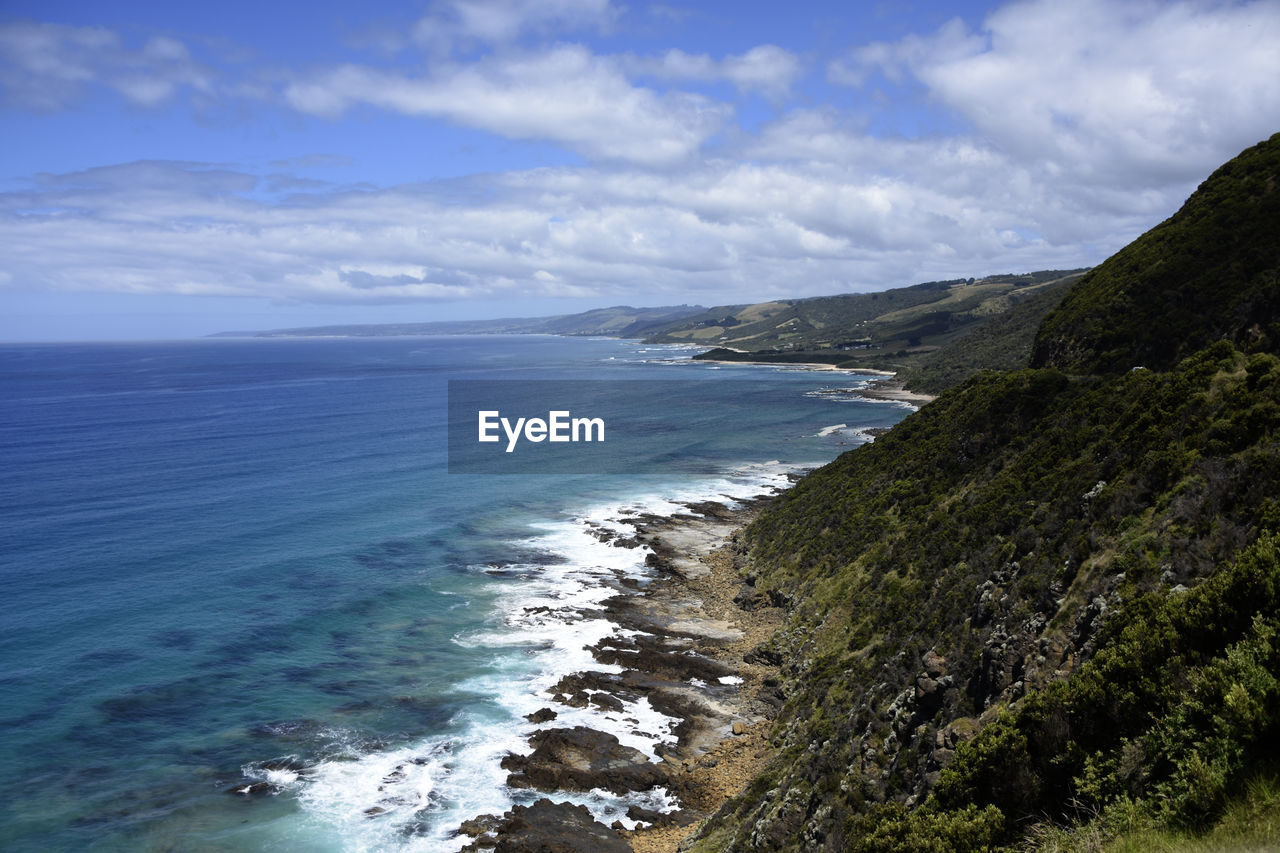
x,y
545,617
851,395
855,433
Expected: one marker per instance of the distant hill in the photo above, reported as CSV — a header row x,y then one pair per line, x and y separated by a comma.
x,y
899,317
935,334
1002,342
621,321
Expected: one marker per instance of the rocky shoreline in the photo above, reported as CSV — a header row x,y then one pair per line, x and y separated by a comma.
x,y
887,388
890,388
685,643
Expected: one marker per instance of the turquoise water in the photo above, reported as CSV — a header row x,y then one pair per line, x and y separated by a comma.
x,y
237,561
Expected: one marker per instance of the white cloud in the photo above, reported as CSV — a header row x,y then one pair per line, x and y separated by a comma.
x,y
47,66
1128,94
1083,125
767,69
453,24
716,232
567,95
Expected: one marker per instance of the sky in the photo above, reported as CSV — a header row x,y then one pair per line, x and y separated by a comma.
x,y
177,169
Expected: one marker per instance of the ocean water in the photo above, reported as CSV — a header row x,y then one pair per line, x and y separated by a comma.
x,y
241,565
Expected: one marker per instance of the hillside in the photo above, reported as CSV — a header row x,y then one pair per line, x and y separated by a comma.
x,y
622,321
937,333
854,321
1047,605
1002,342
1209,272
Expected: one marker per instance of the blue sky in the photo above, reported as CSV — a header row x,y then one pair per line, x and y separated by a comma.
x,y
178,169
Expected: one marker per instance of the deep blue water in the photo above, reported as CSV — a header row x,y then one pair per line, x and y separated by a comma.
x,y
226,561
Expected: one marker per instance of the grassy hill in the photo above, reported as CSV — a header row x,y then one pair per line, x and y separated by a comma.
x,y
938,333
1045,609
1002,342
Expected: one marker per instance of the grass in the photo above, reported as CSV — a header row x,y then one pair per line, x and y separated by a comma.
x,y
1250,823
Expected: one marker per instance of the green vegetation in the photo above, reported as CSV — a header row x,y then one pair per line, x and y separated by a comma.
x,y
1045,609
1250,822
1210,271
816,323
935,334
1001,343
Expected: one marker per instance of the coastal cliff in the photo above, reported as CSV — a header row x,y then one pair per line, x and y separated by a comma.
x,y
1047,603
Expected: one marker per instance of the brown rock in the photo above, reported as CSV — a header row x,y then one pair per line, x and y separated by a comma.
x,y
547,827
580,759
542,715
935,665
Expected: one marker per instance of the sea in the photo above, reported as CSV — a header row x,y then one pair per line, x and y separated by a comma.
x,y
244,604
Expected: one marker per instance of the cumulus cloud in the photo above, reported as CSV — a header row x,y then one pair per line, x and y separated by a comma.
x,y
714,232
567,95
1079,126
47,66
1131,94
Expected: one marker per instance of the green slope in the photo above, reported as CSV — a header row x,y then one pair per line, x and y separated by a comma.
x,y
888,319
934,334
1052,596
1210,271
1002,342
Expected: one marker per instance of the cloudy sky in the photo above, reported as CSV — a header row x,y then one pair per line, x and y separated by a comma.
x,y
173,169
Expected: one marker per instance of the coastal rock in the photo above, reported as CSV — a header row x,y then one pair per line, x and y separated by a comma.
x,y
580,759
652,655
679,645
593,681
711,509
252,789
661,563
605,702
542,715
681,817
547,827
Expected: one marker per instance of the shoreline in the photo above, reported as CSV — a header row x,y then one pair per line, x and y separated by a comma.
x,y
885,388
685,643
807,365
896,391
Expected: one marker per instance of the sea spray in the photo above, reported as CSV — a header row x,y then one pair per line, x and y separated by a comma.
x,y
546,615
